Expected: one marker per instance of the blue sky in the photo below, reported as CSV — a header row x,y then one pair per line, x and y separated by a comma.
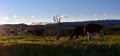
x,y
13,11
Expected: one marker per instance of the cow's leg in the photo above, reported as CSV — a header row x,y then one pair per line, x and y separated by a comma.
x,y
90,35
58,36
101,35
72,37
83,35
59,31
77,36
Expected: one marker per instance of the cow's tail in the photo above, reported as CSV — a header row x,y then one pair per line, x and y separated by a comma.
x,y
71,37
101,35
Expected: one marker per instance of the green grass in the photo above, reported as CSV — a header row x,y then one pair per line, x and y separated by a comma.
x,y
46,46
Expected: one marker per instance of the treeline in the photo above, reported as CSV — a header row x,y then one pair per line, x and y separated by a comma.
x,y
115,29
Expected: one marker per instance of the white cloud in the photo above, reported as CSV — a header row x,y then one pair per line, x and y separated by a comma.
x,y
95,15
63,16
32,16
14,16
5,18
83,16
105,14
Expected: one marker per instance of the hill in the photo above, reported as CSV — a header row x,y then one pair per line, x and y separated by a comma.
x,y
103,22
68,24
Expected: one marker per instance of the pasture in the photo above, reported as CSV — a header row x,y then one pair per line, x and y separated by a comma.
x,y
46,46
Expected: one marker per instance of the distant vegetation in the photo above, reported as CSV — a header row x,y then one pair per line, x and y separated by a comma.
x,y
110,27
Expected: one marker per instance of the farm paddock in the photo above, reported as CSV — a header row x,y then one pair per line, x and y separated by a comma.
x,y
45,46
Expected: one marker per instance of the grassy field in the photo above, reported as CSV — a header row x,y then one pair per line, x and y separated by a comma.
x,y
46,46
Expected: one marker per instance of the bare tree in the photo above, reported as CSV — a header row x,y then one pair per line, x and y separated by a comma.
x,y
57,20
21,30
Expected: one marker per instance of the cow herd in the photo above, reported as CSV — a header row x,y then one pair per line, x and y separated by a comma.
x,y
88,29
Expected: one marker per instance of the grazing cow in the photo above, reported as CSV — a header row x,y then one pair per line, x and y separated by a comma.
x,y
13,31
94,28
79,30
90,29
36,32
30,32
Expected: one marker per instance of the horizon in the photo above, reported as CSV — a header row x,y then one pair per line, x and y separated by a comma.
x,y
44,23
27,11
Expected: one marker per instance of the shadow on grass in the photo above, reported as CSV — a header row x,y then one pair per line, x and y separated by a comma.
x,y
63,50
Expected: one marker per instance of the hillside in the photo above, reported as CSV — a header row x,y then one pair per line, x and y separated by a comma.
x,y
68,24
103,22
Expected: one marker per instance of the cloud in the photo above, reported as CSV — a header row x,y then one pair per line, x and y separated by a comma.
x,y
83,16
4,18
63,16
95,15
105,14
14,16
32,16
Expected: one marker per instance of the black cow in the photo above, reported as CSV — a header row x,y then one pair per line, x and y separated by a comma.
x,y
39,32
36,32
79,30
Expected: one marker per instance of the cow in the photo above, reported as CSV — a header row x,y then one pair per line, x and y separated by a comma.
x,y
30,32
79,30
39,32
89,29
94,28
36,32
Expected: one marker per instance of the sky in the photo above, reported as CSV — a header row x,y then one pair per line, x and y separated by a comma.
x,y
26,11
